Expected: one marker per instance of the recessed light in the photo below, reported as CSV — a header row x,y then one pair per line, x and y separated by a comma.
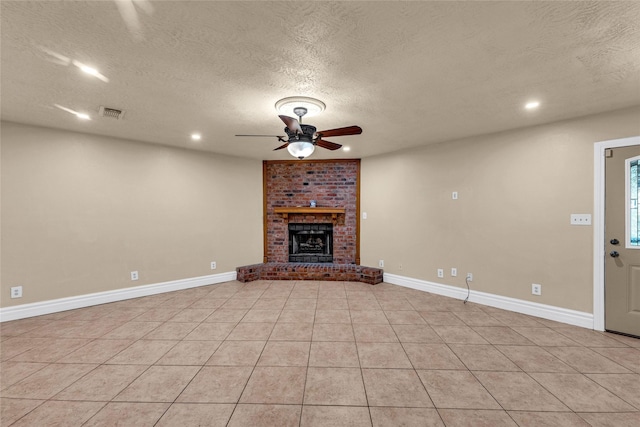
x,y
196,136
82,116
345,148
532,105
90,70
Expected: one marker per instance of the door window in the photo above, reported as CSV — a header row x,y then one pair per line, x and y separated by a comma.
x,y
632,193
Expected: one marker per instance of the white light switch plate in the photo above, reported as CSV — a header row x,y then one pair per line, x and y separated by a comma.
x,y
580,219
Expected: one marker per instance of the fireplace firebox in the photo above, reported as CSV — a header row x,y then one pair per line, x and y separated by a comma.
x,y
310,242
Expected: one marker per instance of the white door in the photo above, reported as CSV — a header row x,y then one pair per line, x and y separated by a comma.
x,y
622,240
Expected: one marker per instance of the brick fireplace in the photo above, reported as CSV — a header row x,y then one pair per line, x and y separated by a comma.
x,y
334,223
289,188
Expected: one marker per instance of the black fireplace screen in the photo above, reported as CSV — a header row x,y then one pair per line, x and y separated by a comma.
x,y
310,242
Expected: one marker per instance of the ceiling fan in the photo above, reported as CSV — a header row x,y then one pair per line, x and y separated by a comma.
x,y
304,138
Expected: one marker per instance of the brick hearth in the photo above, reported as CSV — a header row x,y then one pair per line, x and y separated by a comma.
x,y
300,271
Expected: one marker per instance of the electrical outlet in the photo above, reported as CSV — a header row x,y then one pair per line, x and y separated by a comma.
x,y
470,277
454,272
454,195
536,289
381,263
16,292
440,273
213,265
134,275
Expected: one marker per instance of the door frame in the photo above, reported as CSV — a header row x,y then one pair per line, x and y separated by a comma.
x,y
598,224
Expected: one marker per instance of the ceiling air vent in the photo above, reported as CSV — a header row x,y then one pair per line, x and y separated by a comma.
x,y
114,113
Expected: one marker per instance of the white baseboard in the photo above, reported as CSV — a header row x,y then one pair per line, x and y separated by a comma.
x,y
558,314
80,301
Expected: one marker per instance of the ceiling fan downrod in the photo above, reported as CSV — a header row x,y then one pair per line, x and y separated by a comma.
x,y
300,112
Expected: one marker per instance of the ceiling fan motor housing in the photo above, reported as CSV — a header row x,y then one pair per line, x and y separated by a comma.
x,y
307,134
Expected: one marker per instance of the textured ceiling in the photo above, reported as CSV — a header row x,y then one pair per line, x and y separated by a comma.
x,y
409,73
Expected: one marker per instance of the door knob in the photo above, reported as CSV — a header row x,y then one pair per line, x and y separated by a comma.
x,y
614,241
614,254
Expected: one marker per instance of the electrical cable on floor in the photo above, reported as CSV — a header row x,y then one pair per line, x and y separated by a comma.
x,y
466,280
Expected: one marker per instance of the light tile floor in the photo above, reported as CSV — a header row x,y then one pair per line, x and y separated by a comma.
x,y
312,354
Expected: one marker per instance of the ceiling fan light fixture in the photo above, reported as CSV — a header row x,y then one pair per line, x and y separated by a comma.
x,y
287,106
301,149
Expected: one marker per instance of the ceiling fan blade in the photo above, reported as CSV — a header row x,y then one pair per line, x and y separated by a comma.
x,y
267,136
280,137
282,146
327,144
349,130
291,123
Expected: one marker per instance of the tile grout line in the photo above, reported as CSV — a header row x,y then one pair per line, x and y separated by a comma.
x,y
179,295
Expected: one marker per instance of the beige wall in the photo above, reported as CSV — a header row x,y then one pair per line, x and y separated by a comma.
x,y
80,212
510,226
